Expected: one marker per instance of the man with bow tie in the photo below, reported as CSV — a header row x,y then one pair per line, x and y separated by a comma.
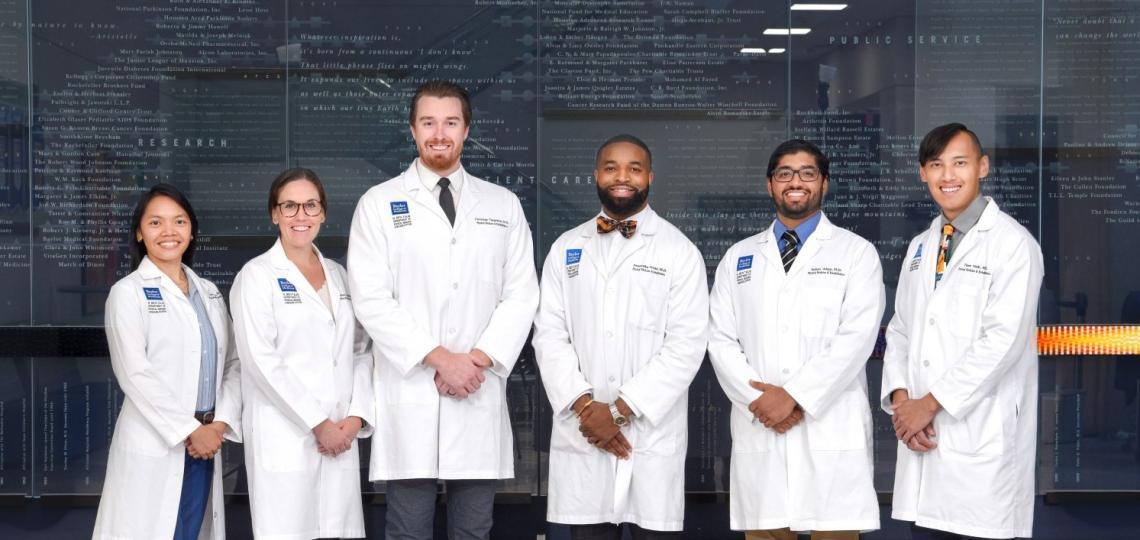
x,y
620,334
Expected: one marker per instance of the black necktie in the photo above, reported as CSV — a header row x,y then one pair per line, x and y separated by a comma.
x,y
791,248
445,200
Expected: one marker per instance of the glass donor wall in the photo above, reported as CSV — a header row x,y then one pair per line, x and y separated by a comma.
x,y
101,99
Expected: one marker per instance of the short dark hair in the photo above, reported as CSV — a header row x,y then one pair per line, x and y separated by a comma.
x,y
795,146
626,138
291,175
441,89
138,247
935,142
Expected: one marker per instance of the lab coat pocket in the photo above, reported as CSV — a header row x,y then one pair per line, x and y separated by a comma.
x,y
139,438
749,437
659,440
567,438
819,315
647,316
965,310
980,433
845,425
281,444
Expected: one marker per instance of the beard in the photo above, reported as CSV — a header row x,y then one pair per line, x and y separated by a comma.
x,y
623,208
441,162
800,210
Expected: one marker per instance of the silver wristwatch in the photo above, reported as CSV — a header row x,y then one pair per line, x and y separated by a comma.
x,y
619,419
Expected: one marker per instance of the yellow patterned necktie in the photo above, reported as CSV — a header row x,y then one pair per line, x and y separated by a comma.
x,y
943,252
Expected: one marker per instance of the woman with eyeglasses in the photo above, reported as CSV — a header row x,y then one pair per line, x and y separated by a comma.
x,y
306,376
169,337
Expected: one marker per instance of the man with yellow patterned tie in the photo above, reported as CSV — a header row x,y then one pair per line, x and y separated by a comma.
x,y
620,333
960,369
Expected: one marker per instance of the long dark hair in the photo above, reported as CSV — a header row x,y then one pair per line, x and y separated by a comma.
x,y
138,248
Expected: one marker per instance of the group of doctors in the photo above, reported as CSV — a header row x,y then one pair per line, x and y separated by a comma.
x,y
413,344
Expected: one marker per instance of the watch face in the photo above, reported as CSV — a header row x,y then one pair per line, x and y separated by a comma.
x,y
621,421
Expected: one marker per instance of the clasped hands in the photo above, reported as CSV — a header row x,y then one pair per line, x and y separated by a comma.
x,y
913,420
597,425
335,438
775,408
458,375
206,440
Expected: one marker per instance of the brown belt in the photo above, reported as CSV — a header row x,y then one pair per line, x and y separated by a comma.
x,y
204,417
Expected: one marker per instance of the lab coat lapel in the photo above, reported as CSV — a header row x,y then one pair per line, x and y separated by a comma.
x,y
811,247
972,238
645,230
293,274
467,201
592,249
424,198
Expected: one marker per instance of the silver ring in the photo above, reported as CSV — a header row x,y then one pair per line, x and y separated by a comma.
x,y
451,392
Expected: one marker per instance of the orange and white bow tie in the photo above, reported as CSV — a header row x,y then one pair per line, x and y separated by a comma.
x,y
627,227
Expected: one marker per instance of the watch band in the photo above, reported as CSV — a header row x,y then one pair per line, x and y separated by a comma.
x,y
619,419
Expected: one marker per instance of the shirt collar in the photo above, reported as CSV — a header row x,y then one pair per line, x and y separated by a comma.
x,y
803,231
969,217
429,179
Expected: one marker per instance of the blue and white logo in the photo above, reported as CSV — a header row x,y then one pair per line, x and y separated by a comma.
x,y
918,252
744,263
285,285
399,207
573,256
152,293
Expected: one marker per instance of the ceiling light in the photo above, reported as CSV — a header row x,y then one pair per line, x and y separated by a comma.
x,y
818,7
786,31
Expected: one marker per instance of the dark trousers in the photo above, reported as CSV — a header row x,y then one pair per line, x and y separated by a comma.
x,y
609,531
197,477
922,533
411,509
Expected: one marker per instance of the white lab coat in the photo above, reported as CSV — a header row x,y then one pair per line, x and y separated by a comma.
x,y
636,329
417,283
809,331
155,353
972,342
301,365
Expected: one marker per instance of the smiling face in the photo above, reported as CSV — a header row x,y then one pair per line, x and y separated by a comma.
x,y
954,177
439,132
300,230
797,200
165,231
623,175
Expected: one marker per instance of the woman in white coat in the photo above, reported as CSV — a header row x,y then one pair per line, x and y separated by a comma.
x,y
306,376
169,337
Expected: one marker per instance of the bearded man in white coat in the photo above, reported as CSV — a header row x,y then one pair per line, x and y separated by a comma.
x,y
796,311
441,271
620,334
960,369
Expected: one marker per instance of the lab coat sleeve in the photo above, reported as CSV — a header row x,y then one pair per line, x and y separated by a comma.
x,y
898,340
255,330
1009,322
506,332
831,369
395,334
363,401
656,388
553,351
227,406
126,338
729,361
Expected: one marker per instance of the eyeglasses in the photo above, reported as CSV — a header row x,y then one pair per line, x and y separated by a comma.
x,y
290,208
785,174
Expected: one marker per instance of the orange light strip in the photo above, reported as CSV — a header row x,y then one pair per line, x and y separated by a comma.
x,y
1088,339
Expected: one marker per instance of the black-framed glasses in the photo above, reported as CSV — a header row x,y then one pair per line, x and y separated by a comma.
x,y
785,174
290,208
